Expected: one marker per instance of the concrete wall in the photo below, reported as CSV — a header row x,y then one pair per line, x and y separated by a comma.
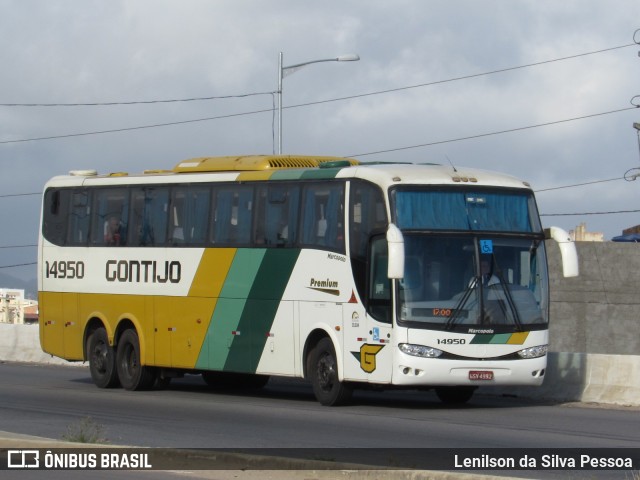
x,y
598,311
21,343
594,331
594,334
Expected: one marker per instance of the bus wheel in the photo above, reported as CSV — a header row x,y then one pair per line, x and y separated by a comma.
x,y
102,360
133,375
455,395
322,368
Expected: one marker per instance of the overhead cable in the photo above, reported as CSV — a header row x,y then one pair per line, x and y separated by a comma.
x,y
488,134
136,102
391,90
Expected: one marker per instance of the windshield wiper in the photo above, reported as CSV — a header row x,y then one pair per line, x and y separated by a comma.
x,y
512,304
475,281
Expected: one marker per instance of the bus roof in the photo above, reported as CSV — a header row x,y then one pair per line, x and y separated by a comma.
x,y
294,167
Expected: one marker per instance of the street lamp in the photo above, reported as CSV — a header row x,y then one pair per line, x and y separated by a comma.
x,y
290,69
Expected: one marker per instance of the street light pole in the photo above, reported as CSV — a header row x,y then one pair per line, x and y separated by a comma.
x,y
290,69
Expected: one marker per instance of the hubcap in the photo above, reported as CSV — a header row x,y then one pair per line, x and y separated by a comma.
x,y
326,372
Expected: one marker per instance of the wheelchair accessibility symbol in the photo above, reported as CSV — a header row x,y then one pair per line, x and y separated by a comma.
x,y
486,246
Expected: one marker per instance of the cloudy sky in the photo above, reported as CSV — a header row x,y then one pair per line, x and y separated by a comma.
x,y
438,81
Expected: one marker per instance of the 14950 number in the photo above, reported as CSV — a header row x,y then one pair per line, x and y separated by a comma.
x,y
452,341
64,269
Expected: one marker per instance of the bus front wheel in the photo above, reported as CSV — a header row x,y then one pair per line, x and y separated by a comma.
x,y
102,360
322,369
133,375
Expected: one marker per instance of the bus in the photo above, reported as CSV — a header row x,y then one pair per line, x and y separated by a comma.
x,y
346,274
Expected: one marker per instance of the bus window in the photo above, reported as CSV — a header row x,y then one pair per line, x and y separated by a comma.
x,y
188,215
276,215
232,215
367,216
110,217
149,216
56,209
323,216
79,217
379,292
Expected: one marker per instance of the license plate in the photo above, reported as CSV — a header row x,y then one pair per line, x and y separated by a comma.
x,y
480,375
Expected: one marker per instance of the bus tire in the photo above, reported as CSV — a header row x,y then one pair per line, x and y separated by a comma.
x,y
455,395
102,360
322,368
133,375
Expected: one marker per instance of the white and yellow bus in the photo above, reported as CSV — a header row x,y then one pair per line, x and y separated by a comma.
x,y
346,274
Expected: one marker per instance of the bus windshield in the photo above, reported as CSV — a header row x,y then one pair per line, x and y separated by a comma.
x,y
476,210
449,282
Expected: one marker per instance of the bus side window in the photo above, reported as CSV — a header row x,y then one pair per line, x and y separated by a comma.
x,y
149,216
232,213
79,217
110,217
379,290
323,216
276,215
55,211
367,216
188,215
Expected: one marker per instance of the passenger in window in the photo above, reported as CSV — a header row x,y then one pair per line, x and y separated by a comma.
x,y
113,231
486,278
283,234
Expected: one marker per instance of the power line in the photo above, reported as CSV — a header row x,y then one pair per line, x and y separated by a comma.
x,y
578,184
420,85
19,265
141,127
115,130
587,213
136,102
20,194
437,143
465,77
98,132
481,135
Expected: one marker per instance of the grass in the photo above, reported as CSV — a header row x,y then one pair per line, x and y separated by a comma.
x,y
85,430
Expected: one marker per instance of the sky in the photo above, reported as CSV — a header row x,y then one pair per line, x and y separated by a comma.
x,y
540,89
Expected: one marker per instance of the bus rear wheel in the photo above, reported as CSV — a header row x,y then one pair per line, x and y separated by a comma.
x,y
102,360
322,368
133,375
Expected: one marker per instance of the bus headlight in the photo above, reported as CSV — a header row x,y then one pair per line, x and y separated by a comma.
x,y
534,352
419,350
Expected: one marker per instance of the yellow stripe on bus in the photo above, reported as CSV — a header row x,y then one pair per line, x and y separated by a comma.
x,y
212,271
518,338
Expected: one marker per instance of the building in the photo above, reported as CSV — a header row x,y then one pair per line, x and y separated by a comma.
x,y
14,308
580,234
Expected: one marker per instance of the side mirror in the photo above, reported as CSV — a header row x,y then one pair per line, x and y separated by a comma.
x,y
395,241
567,250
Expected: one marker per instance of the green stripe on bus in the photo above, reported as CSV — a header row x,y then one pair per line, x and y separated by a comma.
x,y
260,309
496,339
224,325
320,173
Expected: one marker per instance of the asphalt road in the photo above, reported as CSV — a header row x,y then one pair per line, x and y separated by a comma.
x,y
52,401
